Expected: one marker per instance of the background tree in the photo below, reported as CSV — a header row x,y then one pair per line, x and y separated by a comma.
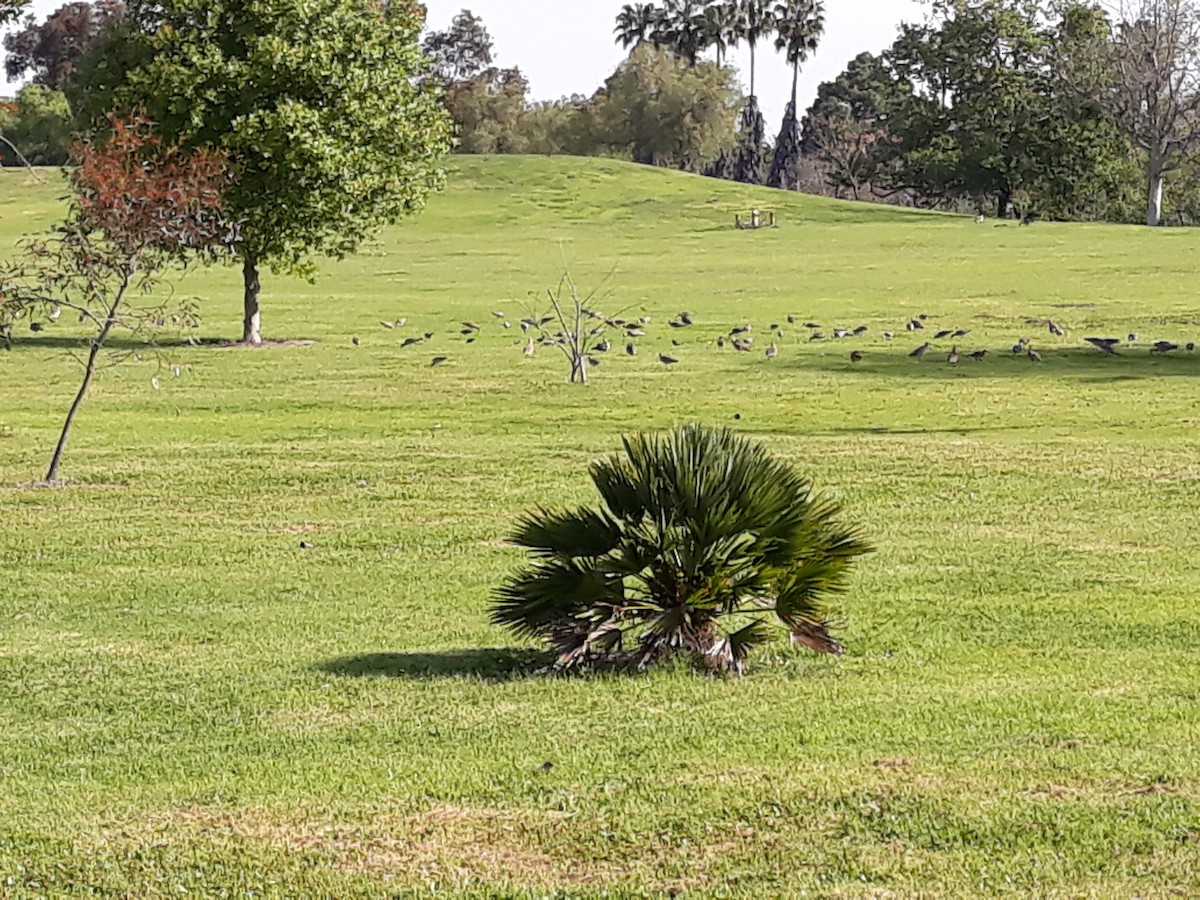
x,y
754,23
846,129
317,103
489,111
51,51
981,121
682,27
661,111
635,23
720,28
138,210
799,27
1155,95
11,10
39,126
462,51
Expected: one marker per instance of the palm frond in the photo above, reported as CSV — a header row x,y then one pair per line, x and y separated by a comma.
x,y
567,533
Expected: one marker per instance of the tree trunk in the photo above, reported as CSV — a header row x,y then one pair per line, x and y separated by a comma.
x,y
1003,201
795,85
89,370
1154,196
252,319
752,71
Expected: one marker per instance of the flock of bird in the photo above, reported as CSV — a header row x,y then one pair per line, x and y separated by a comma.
x,y
595,337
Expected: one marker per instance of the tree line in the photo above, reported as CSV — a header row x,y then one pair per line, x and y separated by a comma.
x,y
1057,108
1054,108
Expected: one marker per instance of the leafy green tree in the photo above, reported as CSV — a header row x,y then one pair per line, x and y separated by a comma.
x,y
318,105
799,27
488,110
462,51
986,117
702,540
749,160
661,111
40,128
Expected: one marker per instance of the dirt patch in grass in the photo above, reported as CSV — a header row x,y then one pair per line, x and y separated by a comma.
x,y
447,844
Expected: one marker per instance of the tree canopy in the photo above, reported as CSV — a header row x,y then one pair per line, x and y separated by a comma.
x,y
318,105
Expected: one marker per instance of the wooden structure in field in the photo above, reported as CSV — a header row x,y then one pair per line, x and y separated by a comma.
x,y
756,219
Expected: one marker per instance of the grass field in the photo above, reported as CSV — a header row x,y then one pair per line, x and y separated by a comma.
x,y
195,706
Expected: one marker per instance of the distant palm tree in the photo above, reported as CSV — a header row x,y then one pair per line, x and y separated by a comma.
x,y
720,28
799,26
682,28
635,22
754,22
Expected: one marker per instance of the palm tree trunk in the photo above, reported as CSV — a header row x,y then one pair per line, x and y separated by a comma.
x,y
795,84
752,68
89,370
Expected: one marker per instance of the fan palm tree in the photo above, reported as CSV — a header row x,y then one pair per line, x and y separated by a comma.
x,y
635,22
720,28
754,22
702,539
681,27
799,27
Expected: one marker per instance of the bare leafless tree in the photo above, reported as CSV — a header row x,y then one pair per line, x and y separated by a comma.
x,y
1155,94
571,324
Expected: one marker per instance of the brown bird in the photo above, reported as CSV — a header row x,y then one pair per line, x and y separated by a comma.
x,y
1054,328
355,341
811,325
962,332
921,351
685,317
408,342
631,348
978,355
953,357
388,325
530,347
855,356
861,329
437,361
817,336
1164,347
1191,346
720,340
772,350
667,360
944,333
1034,356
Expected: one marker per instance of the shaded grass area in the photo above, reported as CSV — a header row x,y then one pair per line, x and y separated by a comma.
x,y
195,704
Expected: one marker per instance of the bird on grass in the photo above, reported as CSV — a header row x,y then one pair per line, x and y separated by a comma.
x,y
667,360
631,348
1054,328
1164,347
437,361
962,332
944,333
861,330
978,355
1133,336
720,340
888,335
772,350
1034,356
1191,346
1108,345
355,341
953,357
855,356
530,347
817,336
921,351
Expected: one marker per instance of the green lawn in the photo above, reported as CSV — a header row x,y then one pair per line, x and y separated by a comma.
x,y
195,706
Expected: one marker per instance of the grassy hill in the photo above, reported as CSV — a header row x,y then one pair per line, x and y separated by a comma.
x,y
196,705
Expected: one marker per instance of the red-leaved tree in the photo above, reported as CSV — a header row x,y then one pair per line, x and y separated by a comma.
x,y
139,210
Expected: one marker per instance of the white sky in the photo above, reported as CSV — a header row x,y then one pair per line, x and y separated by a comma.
x,y
566,47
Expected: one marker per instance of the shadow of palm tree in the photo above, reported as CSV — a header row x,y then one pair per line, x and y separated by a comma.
x,y
492,664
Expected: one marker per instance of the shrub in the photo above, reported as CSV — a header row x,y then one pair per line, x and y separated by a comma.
x,y
703,537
